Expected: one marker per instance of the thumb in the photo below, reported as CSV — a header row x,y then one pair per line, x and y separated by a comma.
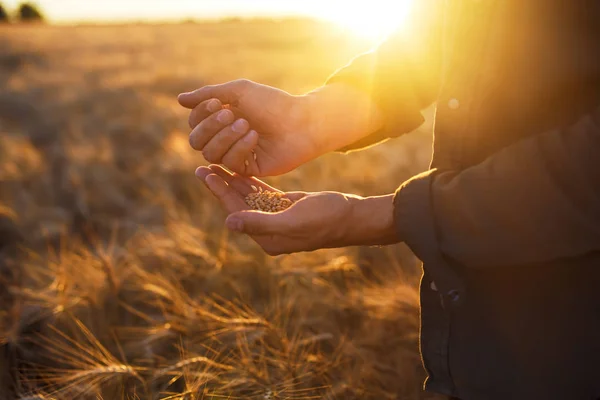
x,y
259,223
228,93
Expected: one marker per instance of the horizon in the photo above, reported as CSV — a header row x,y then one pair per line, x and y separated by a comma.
x,y
61,11
374,19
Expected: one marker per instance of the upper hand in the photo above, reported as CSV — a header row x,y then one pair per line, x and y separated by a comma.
x,y
261,119
314,221
268,131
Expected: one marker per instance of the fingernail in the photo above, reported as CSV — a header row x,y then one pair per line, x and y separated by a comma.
x,y
235,224
250,136
214,105
198,173
224,116
239,126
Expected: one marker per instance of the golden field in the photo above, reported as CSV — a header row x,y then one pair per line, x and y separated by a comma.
x,y
117,278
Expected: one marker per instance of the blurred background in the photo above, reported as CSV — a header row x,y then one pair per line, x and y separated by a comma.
x,y
117,278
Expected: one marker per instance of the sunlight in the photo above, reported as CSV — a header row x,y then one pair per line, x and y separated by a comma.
x,y
371,20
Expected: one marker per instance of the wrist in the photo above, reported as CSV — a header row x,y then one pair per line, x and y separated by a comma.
x,y
337,115
371,221
303,114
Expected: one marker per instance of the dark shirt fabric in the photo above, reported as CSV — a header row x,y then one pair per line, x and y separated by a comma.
x,y
507,220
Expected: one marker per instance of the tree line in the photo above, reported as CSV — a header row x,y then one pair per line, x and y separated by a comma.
x,y
26,12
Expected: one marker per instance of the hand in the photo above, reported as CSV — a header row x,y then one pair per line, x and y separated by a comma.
x,y
262,119
314,221
268,131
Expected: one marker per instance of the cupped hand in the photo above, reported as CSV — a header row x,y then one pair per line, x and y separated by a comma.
x,y
263,132
314,221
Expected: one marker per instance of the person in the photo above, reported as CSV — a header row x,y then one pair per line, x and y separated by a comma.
x,y
506,220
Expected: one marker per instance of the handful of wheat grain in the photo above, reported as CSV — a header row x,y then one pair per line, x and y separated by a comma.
x,y
267,201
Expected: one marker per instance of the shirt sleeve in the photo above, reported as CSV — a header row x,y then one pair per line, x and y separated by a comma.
x,y
533,202
401,75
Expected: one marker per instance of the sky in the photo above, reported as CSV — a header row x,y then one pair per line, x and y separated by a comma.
x,y
372,19
368,17
76,10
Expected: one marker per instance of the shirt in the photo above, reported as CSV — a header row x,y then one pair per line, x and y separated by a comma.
x,y
507,219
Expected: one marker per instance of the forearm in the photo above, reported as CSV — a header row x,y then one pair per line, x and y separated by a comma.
x,y
535,201
370,222
401,76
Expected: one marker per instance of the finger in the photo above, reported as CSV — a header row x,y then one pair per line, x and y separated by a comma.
x,y
202,172
242,183
295,196
229,198
228,93
260,223
218,146
203,111
236,183
240,157
209,127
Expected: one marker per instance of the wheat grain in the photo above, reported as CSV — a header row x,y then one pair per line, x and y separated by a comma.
x,y
194,360
267,201
104,371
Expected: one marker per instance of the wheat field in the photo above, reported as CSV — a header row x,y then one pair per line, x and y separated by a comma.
x,y
117,277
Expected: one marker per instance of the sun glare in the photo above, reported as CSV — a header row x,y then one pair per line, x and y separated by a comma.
x,y
369,19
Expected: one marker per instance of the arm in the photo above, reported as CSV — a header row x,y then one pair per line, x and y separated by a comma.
x,y
535,201
401,76
269,132
314,221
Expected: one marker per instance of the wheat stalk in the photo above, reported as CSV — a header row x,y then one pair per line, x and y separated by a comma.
x,y
86,364
194,360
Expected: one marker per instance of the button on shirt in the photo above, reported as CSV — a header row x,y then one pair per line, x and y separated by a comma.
x,y
453,104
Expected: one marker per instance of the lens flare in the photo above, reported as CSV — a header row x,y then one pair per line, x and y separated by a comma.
x,y
372,19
